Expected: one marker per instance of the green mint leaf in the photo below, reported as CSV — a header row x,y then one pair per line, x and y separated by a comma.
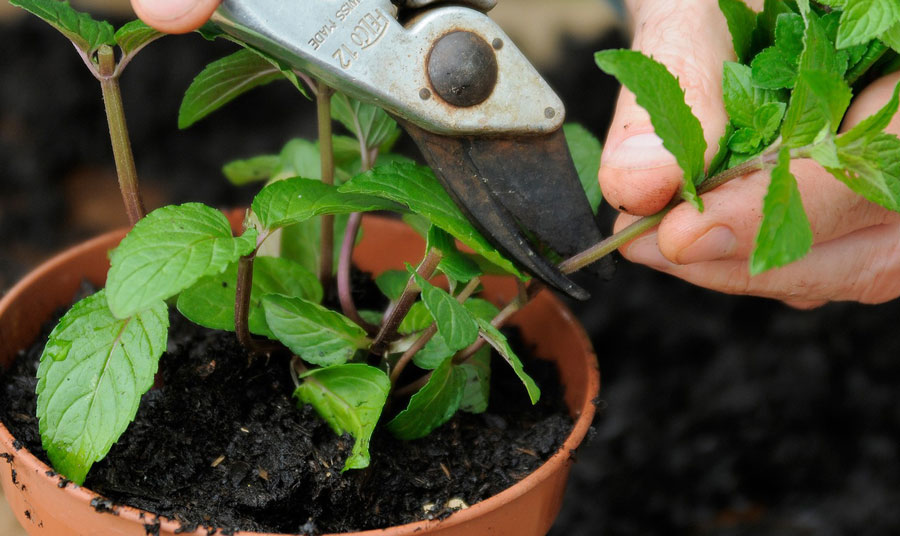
x,y
784,235
169,251
418,188
742,98
316,334
350,399
745,140
433,405
92,374
301,242
83,30
720,160
825,152
454,322
817,106
864,20
366,121
891,37
498,341
453,264
482,309
256,169
819,53
433,354
210,302
417,319
224,80
766,22
767,119
837,4
134,36
299,158
283,203
586,150
477,392
659,93
392,283
776,66
870,168
873,125
741,24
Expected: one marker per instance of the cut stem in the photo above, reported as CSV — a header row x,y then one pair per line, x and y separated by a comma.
x,y
326,152
641,226
118,134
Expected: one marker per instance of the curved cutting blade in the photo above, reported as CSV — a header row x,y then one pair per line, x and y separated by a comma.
x,y
512,186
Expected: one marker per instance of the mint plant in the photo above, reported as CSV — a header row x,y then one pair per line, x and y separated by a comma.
x,y
785,97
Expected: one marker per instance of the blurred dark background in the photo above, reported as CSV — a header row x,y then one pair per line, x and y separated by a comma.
x,y
719,415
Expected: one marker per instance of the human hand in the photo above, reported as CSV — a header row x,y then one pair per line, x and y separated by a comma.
x,y
175,16
856,255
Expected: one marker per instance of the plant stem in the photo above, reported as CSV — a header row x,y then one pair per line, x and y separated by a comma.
x,y
118,134
396,315
326,151
429,333
345,292
641,226
242,301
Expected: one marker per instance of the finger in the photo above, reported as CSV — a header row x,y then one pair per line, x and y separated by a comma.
x,y
728,226
637,175
862,266
175,16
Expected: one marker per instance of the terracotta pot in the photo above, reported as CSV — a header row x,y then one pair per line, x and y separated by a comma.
x,y
528,508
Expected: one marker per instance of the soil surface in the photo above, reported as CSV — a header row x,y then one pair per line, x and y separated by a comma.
x,y
223,444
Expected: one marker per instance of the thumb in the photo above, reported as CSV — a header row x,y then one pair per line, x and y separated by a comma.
x,y
638,175
175,16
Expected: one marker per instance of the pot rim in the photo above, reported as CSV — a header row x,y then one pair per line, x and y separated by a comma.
x,y
583,419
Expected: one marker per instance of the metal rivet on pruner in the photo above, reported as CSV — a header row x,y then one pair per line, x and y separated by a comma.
x,y
462,69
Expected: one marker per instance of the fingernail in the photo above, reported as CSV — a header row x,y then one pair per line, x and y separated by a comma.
x,y
641,151
717,243
167,10
645,250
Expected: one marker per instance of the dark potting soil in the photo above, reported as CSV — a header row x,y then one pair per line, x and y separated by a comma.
x,y
223,444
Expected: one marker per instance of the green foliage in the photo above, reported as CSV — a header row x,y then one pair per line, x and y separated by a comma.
x,y
477,392
283,203
318,335
454,264
496,339
167,252
367,122
210,301
776,66
454,322
659,93
585,150
784,235
258,168
417,188
92,374
134,36
864,20
741,23
86,33
392,282
223,81
433,405
350,398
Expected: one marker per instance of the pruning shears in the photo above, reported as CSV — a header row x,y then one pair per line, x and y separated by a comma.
x,y
484,119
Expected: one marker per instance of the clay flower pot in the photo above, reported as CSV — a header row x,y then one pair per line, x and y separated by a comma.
x,y
43,507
